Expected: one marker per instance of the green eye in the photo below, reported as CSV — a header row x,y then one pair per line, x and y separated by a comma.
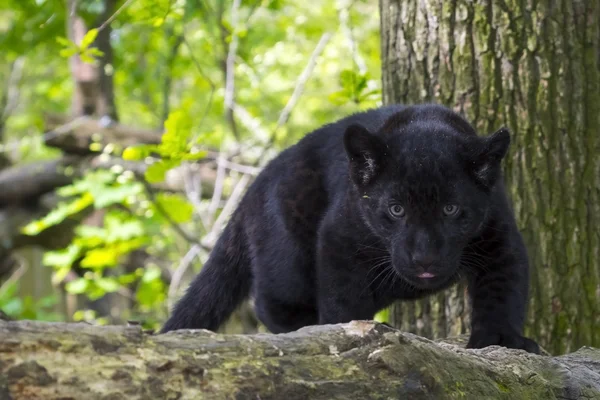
x,y
451,209
396,211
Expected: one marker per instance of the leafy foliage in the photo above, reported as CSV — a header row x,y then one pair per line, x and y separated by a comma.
x,y
168,73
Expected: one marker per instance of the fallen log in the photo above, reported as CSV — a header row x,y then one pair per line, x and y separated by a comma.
x,y
359,360
20,184
75,136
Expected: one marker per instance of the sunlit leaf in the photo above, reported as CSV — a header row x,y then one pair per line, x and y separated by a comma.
x,y
77,286
138,152
58,215
69,52
64,41
109,195
157,171
109,284
62,258
120,230
151,273
177,132
101,257
89,60
127,278
88,38
177,207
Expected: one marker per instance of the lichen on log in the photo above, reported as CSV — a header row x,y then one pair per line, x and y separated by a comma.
x,y
359,360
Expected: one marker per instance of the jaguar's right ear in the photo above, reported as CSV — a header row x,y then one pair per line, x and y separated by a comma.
x,y
366,153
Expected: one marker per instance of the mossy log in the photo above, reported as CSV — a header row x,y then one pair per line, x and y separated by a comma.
x,y
359,360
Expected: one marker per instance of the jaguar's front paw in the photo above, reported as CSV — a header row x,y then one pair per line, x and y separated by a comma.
x,y
483,338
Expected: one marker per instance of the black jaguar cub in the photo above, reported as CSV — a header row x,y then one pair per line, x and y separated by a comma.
x,y
392,203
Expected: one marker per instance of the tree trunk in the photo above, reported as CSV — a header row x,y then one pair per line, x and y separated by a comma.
x,y
360,360
533,66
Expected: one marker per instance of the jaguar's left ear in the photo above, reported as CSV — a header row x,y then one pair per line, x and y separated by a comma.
x,y
486,163
366,154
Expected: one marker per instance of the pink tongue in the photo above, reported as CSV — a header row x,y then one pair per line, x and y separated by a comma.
x,y
426,275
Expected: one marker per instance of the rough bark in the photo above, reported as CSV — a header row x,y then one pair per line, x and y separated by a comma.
x,y
360,360
533,66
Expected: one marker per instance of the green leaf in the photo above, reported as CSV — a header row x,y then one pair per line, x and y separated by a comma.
x,y
9,290
95,52
150,274
137,153
66,53
64,41
48,301
340,97
178,129
88,60
127,278
107,196
98,258
157,171
348,79
58,215
91,232
88,39
77,286
177,207
109,285
151,290
62,258
13,307
118,229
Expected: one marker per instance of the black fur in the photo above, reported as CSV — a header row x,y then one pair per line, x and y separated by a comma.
x,y
392,203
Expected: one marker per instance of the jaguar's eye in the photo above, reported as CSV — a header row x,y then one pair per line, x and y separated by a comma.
x,y
451,209
396,211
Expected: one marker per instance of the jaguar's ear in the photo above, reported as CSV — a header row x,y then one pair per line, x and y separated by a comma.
x,y
366,153
486,165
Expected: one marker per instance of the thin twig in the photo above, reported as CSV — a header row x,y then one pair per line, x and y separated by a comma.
x,y
344,17
287,110
218,191
14,277
165,214
193,190
245,169
251,123
302,79
232,201
184,264
112,17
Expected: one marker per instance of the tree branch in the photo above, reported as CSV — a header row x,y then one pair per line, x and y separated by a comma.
x,y
75,136
302,79
358,360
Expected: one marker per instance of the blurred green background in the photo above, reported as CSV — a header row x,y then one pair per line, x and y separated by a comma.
x,y
106,240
